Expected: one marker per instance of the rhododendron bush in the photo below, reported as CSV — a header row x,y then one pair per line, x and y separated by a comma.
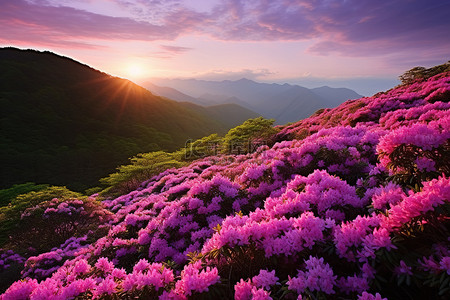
x,y
351,203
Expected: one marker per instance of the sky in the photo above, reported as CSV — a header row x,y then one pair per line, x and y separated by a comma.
x,y
360,44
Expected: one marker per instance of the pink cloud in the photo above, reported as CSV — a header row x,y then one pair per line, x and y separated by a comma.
x,y
174,49
349,28
352,27
168,51
60,24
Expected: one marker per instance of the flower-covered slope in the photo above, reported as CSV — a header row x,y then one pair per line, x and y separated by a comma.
x,y
351,203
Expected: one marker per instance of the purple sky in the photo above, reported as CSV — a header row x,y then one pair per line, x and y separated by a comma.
x,y
361,44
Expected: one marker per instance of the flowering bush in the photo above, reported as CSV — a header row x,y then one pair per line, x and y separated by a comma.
x,y
50,223
350,203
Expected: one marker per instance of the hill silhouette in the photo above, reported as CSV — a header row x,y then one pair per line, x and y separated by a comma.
x,y
65,123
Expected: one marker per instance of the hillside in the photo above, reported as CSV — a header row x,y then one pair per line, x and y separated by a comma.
x,y
351,203
230,114
285,103
65,123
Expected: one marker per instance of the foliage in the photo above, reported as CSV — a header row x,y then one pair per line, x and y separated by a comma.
x,y
206,146
422,73
6,195
247,137
143,166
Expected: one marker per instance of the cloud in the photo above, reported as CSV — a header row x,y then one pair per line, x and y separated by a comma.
x,y
253,74
342,27
22,20
261,20
351,27
169,51
174,49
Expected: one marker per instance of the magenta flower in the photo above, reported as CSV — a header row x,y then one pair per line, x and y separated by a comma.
x,y
20,290
104,264
196,279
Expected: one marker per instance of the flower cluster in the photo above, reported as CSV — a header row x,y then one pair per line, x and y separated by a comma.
x,y
8,257
317,277
46,263
256,288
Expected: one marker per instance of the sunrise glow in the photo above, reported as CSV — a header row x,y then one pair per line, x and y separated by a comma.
x,y
311,43
135,71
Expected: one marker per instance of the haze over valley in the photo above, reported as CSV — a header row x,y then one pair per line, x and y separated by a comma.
x,y
283,102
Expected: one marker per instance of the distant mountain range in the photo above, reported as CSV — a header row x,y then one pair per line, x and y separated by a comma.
x,y
283,102
65,123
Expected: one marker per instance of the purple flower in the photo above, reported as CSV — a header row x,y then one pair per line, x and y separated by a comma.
x,y
368,296
445,264
403,268
265,279
425,164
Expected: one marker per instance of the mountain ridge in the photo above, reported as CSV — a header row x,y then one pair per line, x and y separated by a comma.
x,y
55,110
267,99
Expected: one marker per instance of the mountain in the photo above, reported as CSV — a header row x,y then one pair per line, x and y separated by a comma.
x,y
65,123
170,93
335,96
235,111
283,102
351,203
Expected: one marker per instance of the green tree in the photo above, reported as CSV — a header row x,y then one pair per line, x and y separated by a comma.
x,y
422,73
246,137
6,195
206,146
142,167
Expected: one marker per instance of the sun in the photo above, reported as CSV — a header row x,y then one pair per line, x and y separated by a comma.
x,y
135,71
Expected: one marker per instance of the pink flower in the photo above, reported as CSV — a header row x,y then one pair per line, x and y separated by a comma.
x,y
391,194
20,290
243,290
194,278
104,264
107,286
260,294
434,193
118,273
81,267
141,266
